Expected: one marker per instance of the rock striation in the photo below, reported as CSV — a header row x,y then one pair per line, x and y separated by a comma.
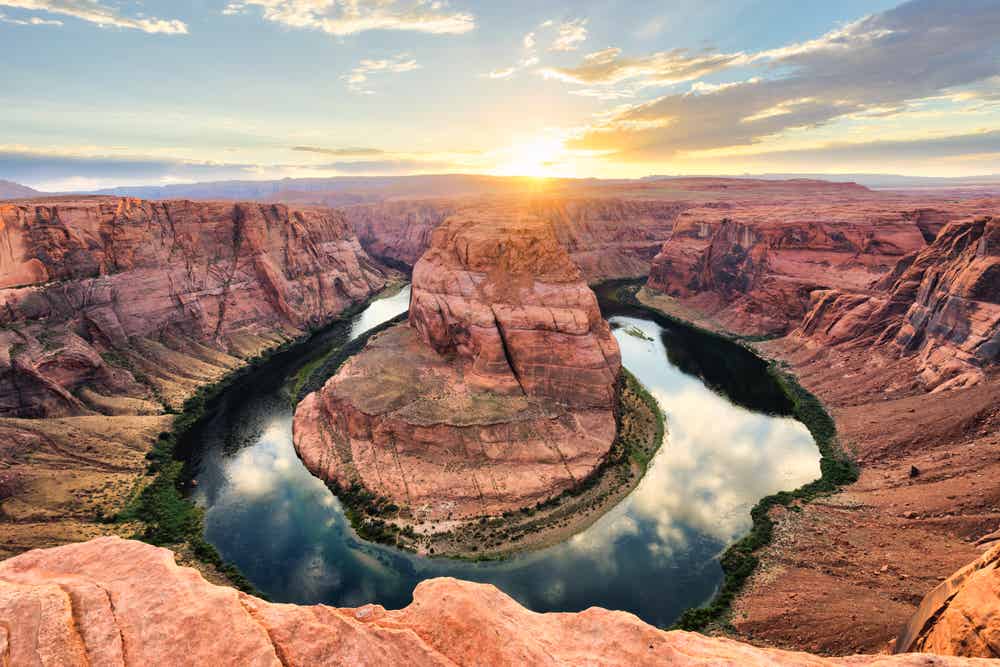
x,y
86,282
940,307
116,602
497,394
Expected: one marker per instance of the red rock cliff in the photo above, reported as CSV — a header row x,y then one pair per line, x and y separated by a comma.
x,y
84,279
940,307
115,602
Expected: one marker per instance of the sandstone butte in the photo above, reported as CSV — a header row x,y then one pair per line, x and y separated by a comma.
x,y
498,393
116,602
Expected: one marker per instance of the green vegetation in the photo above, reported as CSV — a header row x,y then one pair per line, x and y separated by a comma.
x,y
168,517
837,469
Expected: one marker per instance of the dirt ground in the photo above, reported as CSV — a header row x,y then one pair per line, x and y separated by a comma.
x,y
845,573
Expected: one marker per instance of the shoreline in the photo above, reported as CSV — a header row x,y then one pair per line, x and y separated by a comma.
x,y
161,512
837,470
639,436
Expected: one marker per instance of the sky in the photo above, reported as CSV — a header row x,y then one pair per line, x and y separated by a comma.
x,y
124,92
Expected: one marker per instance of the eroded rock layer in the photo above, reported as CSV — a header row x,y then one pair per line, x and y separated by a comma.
x,y
116,602
752,267
940,306
80,280
498,393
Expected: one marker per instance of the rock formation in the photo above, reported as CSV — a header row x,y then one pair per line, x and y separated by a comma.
x,y
10,190
961,616
940,306
113,310
116,602
499,392
80,280
605,237
752,267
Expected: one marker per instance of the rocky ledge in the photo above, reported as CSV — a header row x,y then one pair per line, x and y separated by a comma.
x,y
499,393
116,602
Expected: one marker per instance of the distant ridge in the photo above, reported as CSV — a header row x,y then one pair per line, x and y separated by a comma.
x,y
11,190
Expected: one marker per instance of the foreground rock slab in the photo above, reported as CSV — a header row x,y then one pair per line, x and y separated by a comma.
x,y
117,602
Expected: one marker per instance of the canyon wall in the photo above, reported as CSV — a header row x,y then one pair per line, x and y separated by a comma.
x,y
116,602
500,391
115,311
606,237
939,306
86,283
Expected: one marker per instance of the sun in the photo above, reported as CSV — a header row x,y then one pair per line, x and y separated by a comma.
x,y
539,158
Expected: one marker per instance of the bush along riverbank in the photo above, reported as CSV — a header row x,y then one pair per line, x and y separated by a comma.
x,y
166,515
837,469
639,435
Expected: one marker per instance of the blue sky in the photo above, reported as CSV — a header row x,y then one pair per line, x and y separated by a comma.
x,y
106,92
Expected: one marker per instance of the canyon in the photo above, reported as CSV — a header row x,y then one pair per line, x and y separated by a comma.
x,y
116,310
498,394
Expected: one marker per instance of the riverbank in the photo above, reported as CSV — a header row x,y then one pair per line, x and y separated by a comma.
x,y
740,561
842,573
640,433
158,511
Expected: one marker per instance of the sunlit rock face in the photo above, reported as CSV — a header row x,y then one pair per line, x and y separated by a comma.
x,y
939,307
498,393
605,237
117,602
82,278
961,616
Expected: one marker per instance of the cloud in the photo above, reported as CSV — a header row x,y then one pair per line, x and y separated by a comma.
x,y
607,67
350,17
97,13
985,143
34,20
921,49
357,80
570,35
504,73
340,152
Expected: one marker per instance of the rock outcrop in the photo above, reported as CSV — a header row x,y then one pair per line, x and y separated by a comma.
x,y
940,306
961,616
91,290
752,267
499,393
116,602
605,237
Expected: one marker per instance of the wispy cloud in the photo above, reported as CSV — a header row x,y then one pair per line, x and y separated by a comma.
x,y
608,66
357,80
876,65
349,17
94,12
570,35
34,20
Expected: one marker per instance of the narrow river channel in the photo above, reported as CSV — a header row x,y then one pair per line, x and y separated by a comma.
x,y
655,554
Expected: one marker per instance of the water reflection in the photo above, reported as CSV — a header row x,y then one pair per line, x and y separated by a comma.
x,y
654,554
